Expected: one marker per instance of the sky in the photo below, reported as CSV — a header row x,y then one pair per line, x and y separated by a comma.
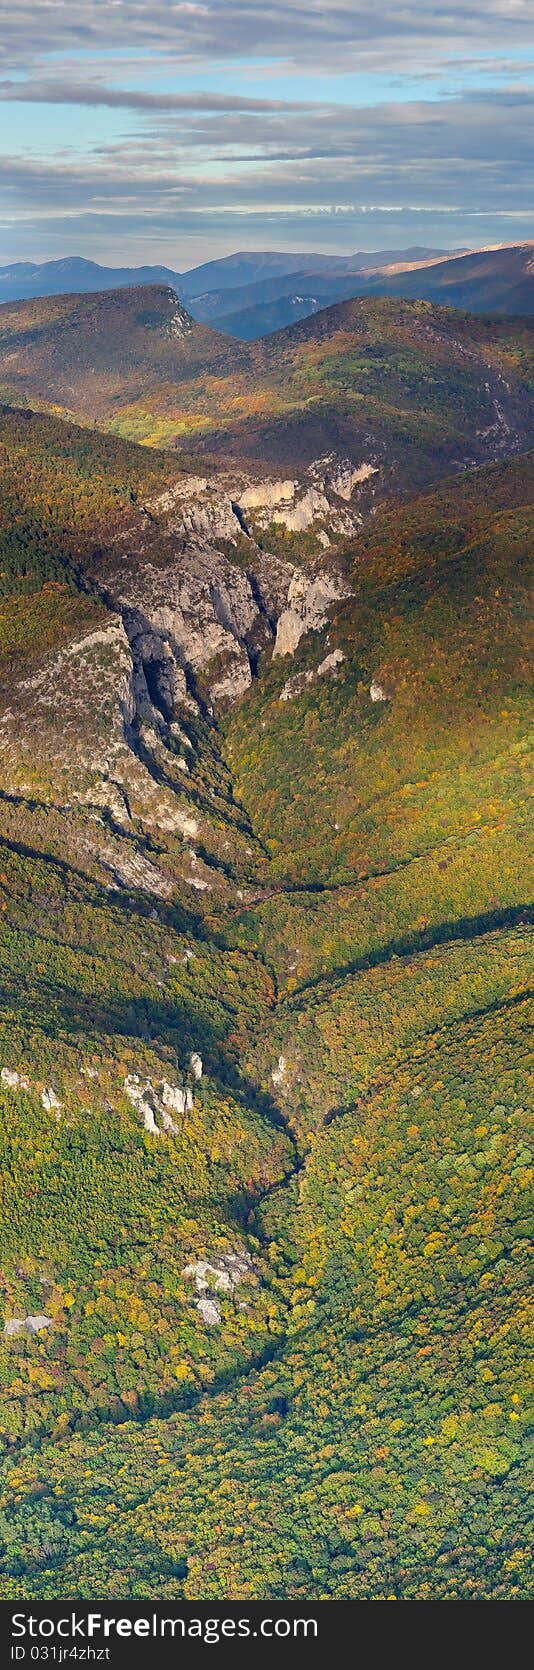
x,y
141,131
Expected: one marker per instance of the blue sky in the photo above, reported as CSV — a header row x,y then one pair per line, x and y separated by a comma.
x,y
176,130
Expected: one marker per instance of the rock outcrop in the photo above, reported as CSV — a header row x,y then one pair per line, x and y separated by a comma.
x,y
158,1106
327,668
309,603
14,1080
311,501
26,1324
218,1276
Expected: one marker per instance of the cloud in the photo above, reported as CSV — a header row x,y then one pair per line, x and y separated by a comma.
x,y
99,95
416,153
325,32
172,159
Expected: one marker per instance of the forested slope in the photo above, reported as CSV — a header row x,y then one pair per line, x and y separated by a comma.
x,y
263,1043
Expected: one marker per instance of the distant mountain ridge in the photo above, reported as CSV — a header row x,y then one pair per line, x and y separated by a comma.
x,y
250,295
26,280
487,281
234,271
73,274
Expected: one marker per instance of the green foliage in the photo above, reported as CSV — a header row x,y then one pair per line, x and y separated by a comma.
x,y
355,979
62,488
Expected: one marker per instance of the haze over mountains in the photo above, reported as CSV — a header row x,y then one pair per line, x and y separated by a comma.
x,y
251,295
21,280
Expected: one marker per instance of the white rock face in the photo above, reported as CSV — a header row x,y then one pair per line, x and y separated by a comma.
x,y
266,495
300,505
50,1101
279,1072
195,1063
32,1325
197,610
180,323
307,510
173,1097
233,682
331,661
309,604
346,478
376,692
14,1081
206,1275
218,1275
72,716
326,668
210,1312
215,519
158,1105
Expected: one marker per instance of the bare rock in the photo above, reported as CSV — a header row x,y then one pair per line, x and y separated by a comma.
x,y
36,1324
327,668
157,1107
30,1324
50,1101
307,510
267,495
219,1275
310,599
210,1312
173,1097
13,1080
343,480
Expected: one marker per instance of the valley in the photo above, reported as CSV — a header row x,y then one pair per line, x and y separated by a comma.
x,y
265,926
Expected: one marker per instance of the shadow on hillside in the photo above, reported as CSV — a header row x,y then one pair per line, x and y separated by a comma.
x,y
410,945
172,1030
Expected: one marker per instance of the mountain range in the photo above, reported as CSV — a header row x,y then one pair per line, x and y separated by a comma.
x,y
492,281
23,280
250,295
265,938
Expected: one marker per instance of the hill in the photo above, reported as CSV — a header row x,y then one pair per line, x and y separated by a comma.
x,y
416,386
402,390
251,295
95,354
497,280
264,907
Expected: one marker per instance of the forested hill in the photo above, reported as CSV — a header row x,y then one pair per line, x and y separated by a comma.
x,y
264,933
413,389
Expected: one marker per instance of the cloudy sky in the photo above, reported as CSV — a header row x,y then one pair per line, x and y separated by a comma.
x,y
171,130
